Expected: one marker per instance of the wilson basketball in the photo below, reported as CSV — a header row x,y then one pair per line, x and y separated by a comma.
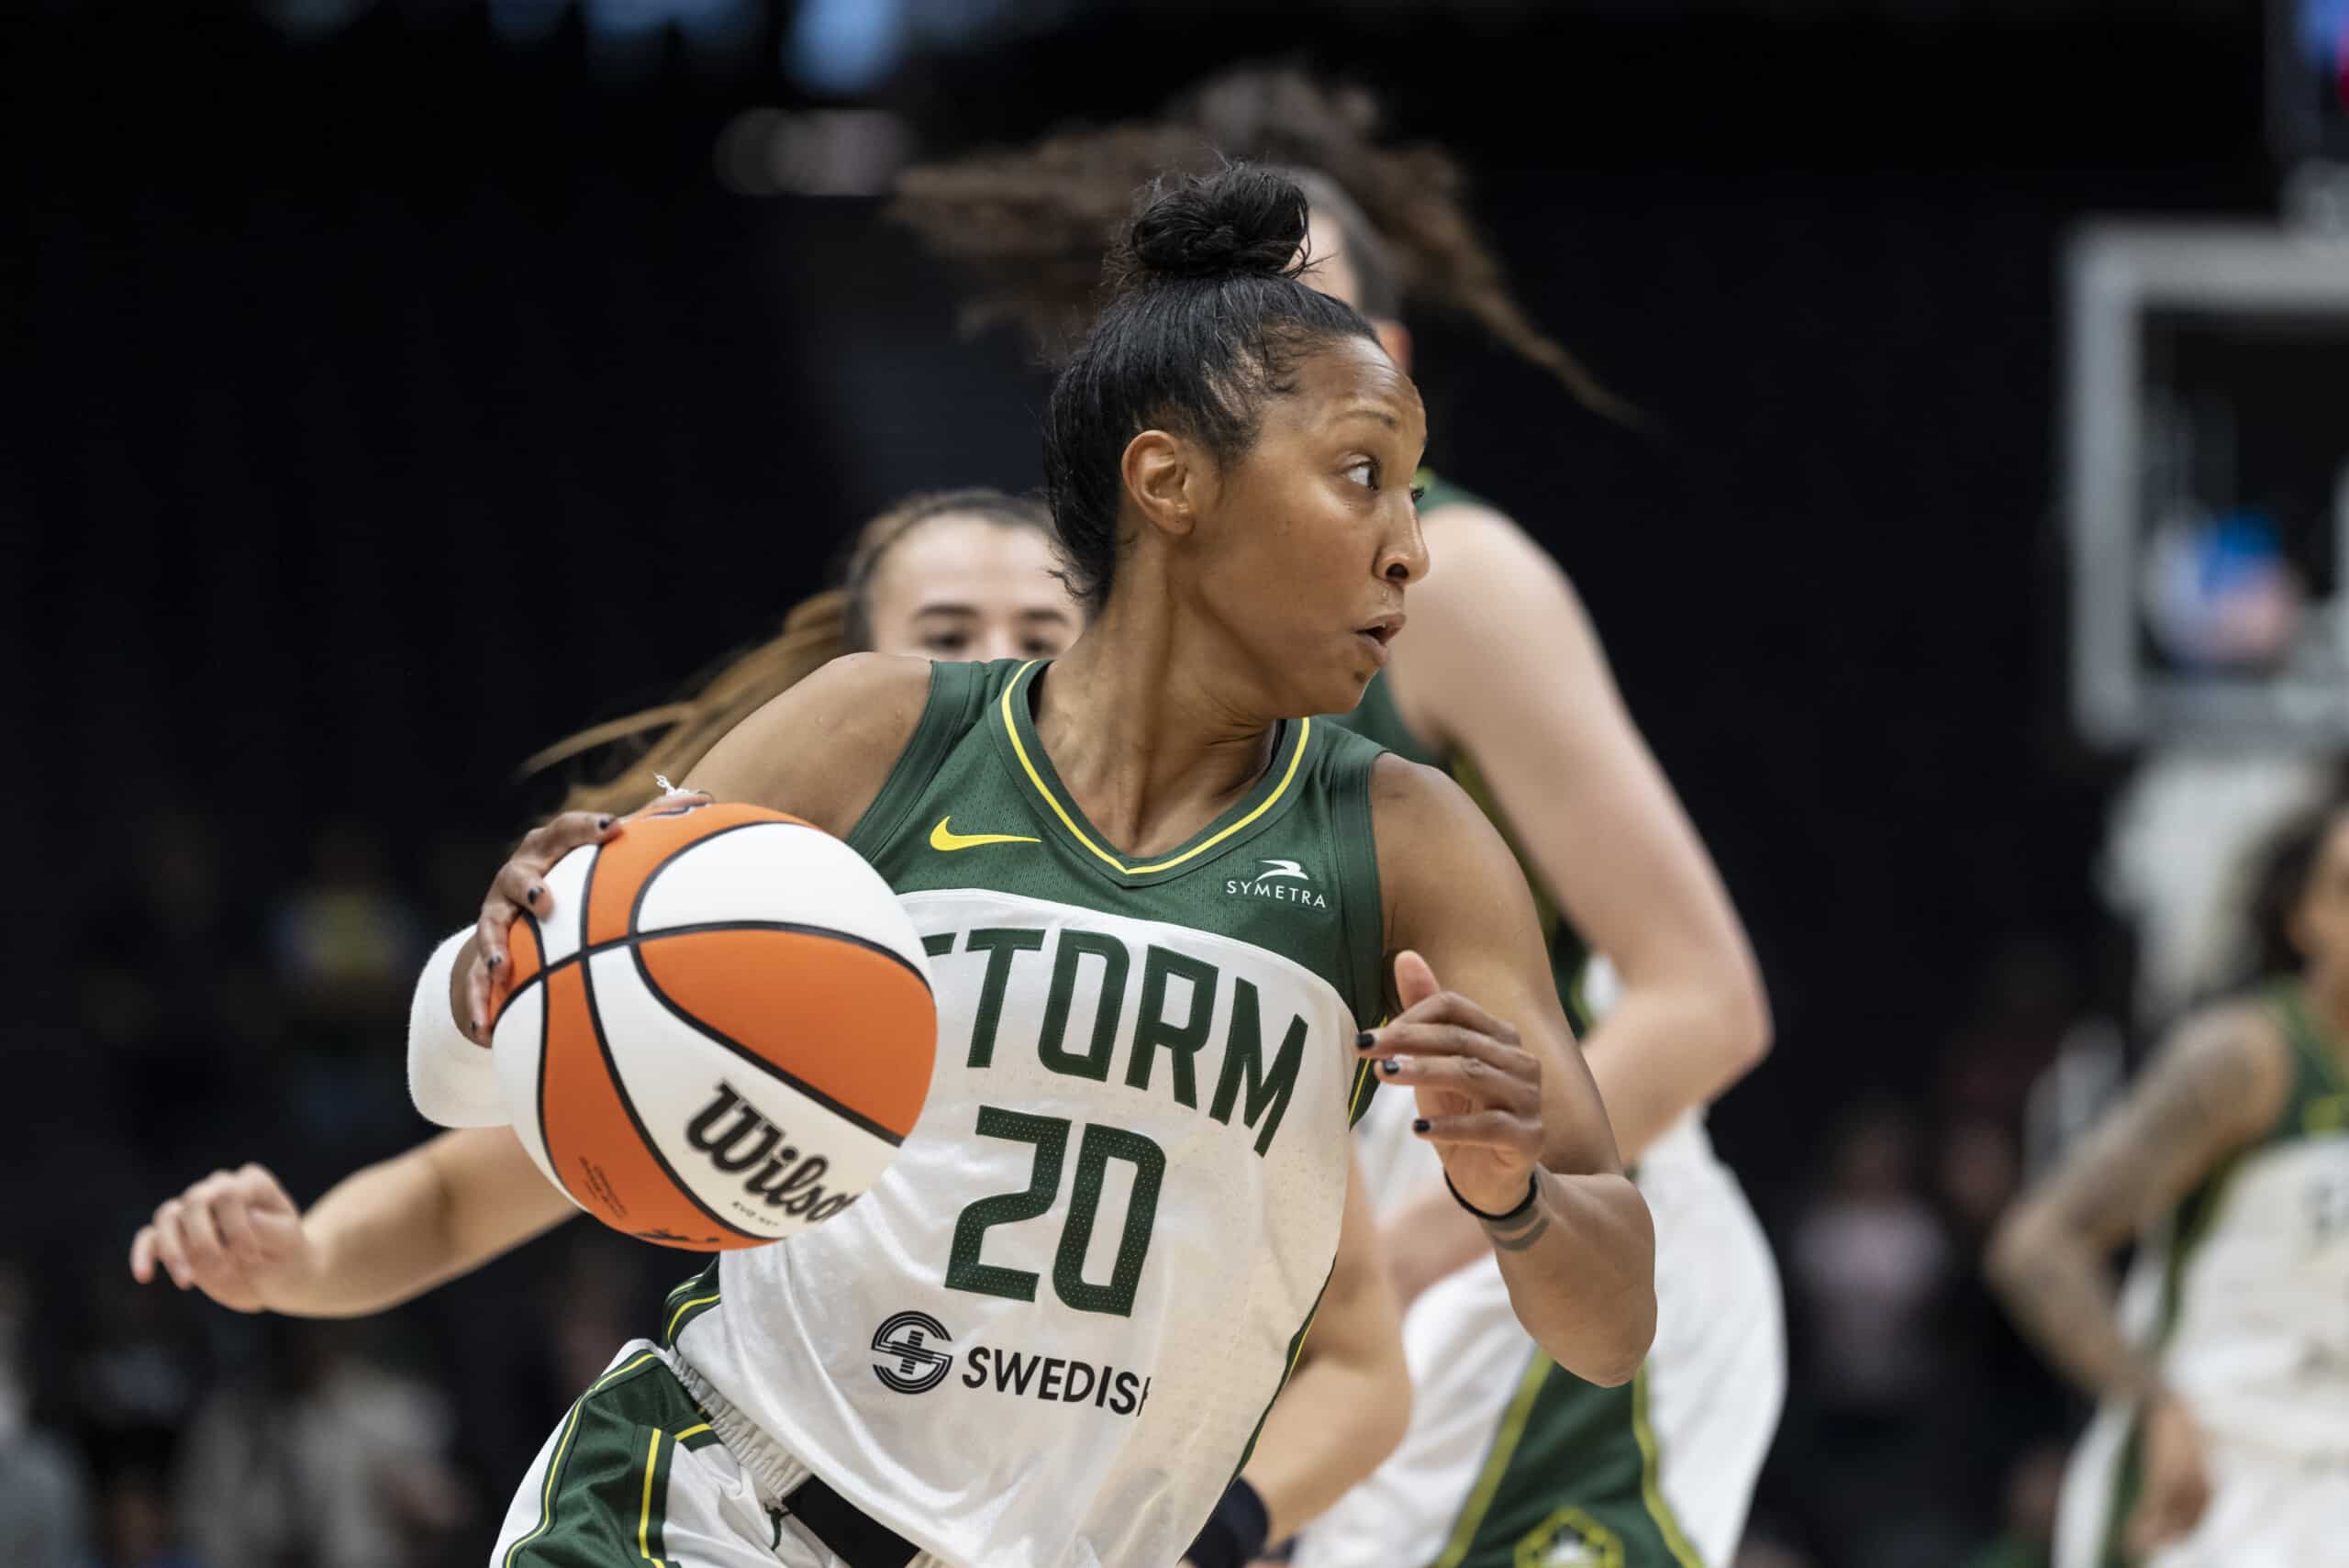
x,y
723,1033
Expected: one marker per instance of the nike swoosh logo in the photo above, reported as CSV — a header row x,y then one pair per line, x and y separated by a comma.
x,y
947,841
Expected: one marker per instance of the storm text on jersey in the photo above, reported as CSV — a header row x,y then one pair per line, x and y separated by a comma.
x,y
1166,1046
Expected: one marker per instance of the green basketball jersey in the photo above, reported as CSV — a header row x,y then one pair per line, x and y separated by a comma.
x,y
1048,1334
1376,717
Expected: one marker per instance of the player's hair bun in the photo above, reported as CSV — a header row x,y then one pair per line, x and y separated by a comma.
x,y
1241,221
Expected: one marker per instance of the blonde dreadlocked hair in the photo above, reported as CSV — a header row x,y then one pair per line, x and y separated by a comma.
x,y
670,739
1034,223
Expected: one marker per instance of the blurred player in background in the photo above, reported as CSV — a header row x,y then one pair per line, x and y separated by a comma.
x,y
1508,1457
2222,1364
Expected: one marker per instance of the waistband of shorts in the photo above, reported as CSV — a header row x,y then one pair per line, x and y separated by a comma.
x,y
773,1469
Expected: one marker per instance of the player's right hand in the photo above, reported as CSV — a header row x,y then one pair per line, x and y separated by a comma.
x,y
519,885
236,1236
2177,1482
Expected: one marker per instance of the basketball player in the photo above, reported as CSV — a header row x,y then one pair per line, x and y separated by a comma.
x,y
2223,1367
1228,460
957,575
1508,1457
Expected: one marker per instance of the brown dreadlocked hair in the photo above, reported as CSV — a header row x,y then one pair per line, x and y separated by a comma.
x,y
1034,223
2280,869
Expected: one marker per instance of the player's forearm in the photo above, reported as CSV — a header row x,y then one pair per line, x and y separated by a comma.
x,y
1580,1266
376,1238
2060,1292
394,1230
1335,1422
1426,1240
1671,1045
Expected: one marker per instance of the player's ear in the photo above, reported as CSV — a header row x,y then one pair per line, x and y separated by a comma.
x,y
1164,477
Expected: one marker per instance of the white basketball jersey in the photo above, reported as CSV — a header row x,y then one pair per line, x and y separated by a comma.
x,y
1048,1335
2247,1290
2258,1300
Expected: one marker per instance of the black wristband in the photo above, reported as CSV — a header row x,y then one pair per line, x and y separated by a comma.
x,y
1234,1534
1532,1191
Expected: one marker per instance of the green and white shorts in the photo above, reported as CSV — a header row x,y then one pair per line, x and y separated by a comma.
x,y
1510,1463
634,1475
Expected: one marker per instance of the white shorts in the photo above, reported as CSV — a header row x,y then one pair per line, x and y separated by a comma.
x,y
1508,1458
2267,1509
634,1475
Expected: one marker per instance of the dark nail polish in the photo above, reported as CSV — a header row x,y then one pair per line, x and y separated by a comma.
x,y
602,823
1364,1040
534,895
1390,1067
1419,1124
495,959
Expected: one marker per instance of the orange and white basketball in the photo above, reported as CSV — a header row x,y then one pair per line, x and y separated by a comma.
x,y
723,1033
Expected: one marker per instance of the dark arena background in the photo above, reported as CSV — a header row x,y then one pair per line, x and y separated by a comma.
x,y
393,386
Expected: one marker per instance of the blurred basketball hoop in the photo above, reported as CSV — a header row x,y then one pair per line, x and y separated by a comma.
x,y
2207,442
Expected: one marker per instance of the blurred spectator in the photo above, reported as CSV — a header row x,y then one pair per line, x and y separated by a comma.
x,y
135,1361
344,945
1868,1258
139,1530
1768,1553
345,942
329,1461
44,1500
1999,1399
594,1301
2033,1486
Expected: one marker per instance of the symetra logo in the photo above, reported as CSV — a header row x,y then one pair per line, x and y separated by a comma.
x,y
906,1355
1284,882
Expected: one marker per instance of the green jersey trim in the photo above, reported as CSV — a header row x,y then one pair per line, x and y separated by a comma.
x,y
1288,1370
1357,846
956,695
1496,1461
689,1301
1667,1523
1027,751
2312,1040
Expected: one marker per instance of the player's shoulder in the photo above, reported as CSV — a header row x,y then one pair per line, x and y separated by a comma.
x,y
865,702
2237,1052
821,748
2249,1024
1430,831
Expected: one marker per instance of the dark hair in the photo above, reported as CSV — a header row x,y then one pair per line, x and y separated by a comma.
x,y
1205,320
675,736
1031,222
2283,865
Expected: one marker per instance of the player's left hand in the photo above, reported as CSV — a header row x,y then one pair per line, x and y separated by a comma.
x,y
1479,1089
2176,1477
